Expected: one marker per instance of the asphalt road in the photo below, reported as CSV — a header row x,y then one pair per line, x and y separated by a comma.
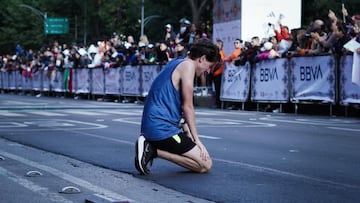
x,y
258,157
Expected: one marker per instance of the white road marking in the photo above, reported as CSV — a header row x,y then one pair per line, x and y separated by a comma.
x,y
46,113
345,129
84,112
8,113
123,112
42,191
122,120
210,137
77,181
55,124
12,125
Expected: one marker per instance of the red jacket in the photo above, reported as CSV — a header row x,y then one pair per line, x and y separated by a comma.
x,y
283,34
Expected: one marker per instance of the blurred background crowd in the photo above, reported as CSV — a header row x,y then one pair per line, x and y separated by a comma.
x,y
322,36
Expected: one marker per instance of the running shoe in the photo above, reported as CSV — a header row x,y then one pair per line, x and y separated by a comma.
x,y
144,154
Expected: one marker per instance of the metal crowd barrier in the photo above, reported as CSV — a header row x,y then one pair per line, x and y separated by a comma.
x,y
296,80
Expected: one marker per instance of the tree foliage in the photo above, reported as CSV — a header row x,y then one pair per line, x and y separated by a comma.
x,y
92,20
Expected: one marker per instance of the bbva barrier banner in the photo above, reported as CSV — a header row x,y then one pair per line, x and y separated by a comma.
x,y
97,78
313,78
235,82
14,81
36,80
148,75
270,81
112,81
349,91
131,82
81,81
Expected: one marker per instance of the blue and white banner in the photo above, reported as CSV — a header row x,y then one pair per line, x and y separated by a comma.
x,y
112,78
313,78
131,81
1,79
81,81
270,81
148,75
26,83
5,80
18,80
46,79
355,78
97,85
36,80
349,91
57,82
235,82
13,79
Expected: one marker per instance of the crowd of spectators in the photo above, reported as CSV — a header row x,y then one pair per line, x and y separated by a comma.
x,y
321,37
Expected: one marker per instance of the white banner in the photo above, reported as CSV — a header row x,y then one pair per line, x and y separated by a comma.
x,y
46,80
36,79
57,82
227,32
313,78
131,81
148,75
1,79
355,78
270,80
13,79
81,80
112,84
26,83
97,81
235,82
17,79
349,91
5,80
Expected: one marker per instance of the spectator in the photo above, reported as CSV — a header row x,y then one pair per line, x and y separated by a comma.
x,y
170,35
150,54
184,33
253,50
217,73
162,53
193,33
236,52
283,37
203,32
95,57
268,52
181,50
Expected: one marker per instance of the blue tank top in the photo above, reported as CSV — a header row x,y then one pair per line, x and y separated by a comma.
x,y
162,110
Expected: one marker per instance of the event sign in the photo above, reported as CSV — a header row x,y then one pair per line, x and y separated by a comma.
x,y
235,82
349,91
270,81
313,78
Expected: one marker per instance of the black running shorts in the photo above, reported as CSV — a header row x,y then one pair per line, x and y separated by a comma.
x,y
177,144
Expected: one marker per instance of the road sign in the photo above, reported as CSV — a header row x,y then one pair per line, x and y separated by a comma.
x,y
56,26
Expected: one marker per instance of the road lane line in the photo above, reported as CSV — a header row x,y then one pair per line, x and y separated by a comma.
x,y
46,113
85,112
345,129
77,181
8,113
285,173
42,191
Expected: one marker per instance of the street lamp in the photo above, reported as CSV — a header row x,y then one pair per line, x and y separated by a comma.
x,y
36,11
145,21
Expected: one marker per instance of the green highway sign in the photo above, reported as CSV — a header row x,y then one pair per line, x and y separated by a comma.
x,y
56,26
